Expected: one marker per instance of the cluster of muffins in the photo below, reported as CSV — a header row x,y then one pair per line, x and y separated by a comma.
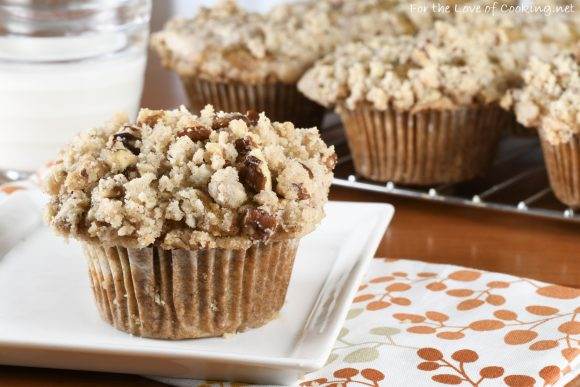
x,y
424,96
190,224
239,60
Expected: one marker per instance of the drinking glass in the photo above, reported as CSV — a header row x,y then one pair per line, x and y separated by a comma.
x,y
65,66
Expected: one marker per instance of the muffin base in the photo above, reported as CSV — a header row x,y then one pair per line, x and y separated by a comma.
x,y
180,294
281,102
563,165
423,148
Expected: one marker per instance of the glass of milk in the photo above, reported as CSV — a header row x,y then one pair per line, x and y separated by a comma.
x,y
65,66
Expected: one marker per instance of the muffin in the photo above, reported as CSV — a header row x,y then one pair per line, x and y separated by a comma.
x,y
239,60
515,38
550,102
417,110
190,224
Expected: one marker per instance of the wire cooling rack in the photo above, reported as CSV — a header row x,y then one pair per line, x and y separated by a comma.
x,y
517,181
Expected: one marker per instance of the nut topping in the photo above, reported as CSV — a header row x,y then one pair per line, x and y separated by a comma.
x,y
252,175
244,146
152,119
115,192
223,122
129,141
250,118
310,174
260,225
302,192
330,161
182,185
196,133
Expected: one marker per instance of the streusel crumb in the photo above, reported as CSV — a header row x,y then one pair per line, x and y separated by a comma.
x,y
550,97
179,180
439,68
513,37
228,43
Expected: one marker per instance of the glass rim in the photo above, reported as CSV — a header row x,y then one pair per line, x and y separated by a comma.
x,y
53,18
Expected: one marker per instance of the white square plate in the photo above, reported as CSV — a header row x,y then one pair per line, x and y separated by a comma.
x,y
47,316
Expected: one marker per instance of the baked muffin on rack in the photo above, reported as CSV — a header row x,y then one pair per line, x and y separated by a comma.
x,y
550,102
516,37
417,109
239,60
175,209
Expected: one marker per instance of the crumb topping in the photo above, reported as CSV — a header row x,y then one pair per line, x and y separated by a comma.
x,y
550,97
178,180
439,68
226,42
515,37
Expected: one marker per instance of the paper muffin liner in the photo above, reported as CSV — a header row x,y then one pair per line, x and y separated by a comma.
x,y
423,148
281,102
179,294
563,165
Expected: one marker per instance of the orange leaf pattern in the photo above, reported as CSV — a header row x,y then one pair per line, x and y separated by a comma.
x,y
456,326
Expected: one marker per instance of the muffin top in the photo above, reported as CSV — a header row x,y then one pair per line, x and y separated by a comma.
x,y
436,69
177,180
550,97
515,37
228,43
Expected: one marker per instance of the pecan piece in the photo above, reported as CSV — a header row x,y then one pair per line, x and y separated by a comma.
x,y
250,118
310,173
330,161
302,192
251,174
116,192
260,225
129,141
196,133
224,121
244,146
152,119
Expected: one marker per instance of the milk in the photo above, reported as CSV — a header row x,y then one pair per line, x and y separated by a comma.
x,y
53,88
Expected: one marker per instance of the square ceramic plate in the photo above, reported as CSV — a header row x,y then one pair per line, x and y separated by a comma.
x,y
47,316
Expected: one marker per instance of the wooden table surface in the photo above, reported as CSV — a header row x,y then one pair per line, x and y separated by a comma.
x,y
536,248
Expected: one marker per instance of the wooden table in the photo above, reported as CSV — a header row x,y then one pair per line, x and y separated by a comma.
x,y
536,248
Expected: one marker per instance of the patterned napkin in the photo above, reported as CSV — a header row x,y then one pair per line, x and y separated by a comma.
x,y
418,324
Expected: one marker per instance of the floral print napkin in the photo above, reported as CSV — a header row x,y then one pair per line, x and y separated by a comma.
x,y
418,324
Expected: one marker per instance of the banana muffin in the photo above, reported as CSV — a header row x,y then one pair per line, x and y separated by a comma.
x,y
239,60
190,224
550,102
516,37
417,109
